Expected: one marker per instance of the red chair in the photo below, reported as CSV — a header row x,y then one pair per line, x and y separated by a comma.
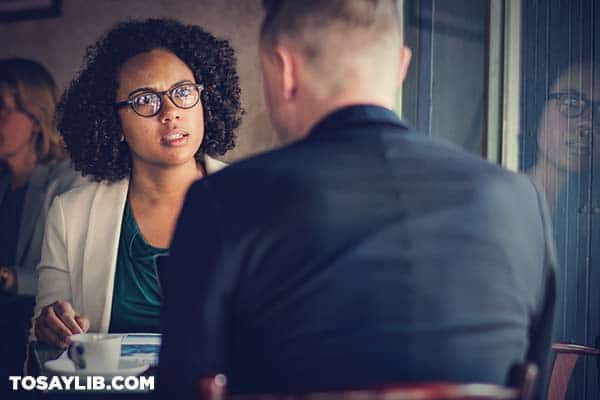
x,y
525,377
564,363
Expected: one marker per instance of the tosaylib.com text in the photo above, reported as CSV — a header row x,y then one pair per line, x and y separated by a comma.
x,y
82,383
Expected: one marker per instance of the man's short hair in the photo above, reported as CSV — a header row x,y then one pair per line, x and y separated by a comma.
x,y
310,23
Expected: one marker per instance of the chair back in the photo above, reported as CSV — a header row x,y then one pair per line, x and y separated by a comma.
x,y
405,391
522,377
564,363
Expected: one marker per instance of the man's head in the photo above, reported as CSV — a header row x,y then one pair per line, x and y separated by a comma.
x,y
319,55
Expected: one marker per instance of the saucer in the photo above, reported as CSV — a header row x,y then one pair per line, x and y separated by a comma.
x,y
64,366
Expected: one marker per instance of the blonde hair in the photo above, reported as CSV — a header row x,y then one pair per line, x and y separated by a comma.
x,y
36,95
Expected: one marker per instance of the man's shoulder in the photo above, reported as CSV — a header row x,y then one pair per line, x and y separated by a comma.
x,y
258,168
471,161
400,145
402,154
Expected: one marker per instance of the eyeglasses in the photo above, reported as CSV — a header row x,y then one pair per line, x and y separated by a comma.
x,y
573,104
148,103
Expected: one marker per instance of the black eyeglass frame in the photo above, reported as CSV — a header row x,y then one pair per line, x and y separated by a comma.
x,y
595,105
169,92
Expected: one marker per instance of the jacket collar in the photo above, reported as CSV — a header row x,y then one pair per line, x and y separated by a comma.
x,y
356,115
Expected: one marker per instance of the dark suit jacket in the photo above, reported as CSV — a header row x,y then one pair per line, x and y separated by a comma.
x,y
361,255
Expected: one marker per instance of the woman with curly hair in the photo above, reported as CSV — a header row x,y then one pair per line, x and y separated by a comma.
x,y
154,102
33,168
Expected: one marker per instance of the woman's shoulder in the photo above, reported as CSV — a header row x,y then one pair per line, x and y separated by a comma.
x,y
84,193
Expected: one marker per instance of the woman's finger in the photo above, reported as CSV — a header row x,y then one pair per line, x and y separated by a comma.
x,y
47,335
83,322
53,322
37,327
64,311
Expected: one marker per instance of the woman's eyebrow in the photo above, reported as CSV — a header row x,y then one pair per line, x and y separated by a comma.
x,y
151,89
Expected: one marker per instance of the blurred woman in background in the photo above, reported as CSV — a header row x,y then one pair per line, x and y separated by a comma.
x,y
33,169
569,123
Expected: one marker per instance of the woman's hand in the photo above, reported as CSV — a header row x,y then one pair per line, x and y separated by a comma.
x,y
57,322
8,280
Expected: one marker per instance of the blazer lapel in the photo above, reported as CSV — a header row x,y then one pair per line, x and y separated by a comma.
x,y
34,199
100,252
213,165
102,245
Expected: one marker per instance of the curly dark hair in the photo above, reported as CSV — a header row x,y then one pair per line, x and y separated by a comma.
x,y
86,114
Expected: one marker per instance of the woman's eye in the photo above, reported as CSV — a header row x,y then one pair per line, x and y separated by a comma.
x,y
145,99
573,101
183,91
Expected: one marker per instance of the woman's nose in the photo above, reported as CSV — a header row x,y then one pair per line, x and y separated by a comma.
x,y
170,112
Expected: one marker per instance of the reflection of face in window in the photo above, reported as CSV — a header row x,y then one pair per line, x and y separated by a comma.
x,y
570,121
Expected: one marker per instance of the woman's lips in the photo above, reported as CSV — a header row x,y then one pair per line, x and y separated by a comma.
x,y
582,143
175,138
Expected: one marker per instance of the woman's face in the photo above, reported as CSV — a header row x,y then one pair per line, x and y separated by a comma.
x,y
567,129
17,137
173,136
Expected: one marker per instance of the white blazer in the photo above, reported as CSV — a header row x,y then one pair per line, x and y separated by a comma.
x,y
79,250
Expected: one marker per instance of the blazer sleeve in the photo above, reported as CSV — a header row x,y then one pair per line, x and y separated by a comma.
x,y
52,272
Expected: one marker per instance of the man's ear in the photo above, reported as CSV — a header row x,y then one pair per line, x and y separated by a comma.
x,y
404,63
287,66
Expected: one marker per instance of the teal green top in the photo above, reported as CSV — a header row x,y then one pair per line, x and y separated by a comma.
x,y
136,295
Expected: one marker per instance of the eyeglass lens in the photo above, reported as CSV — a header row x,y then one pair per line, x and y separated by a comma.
x,y
573,105
149,103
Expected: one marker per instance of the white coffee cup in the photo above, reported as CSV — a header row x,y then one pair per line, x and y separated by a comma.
x,y
95,351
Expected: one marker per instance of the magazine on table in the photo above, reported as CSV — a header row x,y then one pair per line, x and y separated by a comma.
x,y
141,347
